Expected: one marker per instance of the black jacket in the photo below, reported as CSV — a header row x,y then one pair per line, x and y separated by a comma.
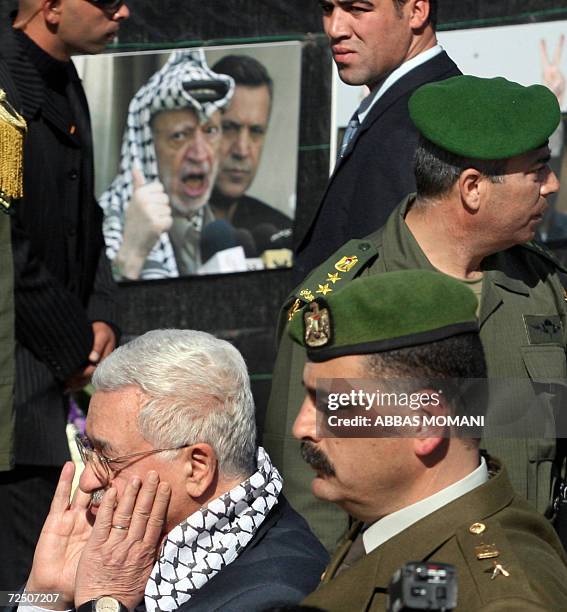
x,y
62,277
374,174
280,565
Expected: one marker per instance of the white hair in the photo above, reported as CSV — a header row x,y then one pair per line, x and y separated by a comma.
x,y
196,390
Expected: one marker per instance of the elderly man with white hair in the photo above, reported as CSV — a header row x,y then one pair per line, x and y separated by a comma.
x,y
176,508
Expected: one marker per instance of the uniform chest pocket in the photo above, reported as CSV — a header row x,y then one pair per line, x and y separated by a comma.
x,y
545,363
547,369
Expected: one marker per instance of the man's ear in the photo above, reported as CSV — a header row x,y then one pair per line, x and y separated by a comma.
x,y
471,186
51,10
201,469
419,15
430,440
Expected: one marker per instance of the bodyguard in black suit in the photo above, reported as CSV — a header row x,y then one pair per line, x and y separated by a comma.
x,y
371,42
10,137
63,288
391,47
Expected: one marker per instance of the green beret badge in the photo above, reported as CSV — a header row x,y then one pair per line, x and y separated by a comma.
x,y
317,321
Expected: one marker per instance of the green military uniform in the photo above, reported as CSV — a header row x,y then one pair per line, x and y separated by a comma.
x,y
517,282
514,537
523,315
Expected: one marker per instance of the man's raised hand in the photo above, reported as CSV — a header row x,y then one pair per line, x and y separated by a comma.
x,y
148,215
63,537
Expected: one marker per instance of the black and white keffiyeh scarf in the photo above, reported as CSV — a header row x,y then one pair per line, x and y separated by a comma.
x,y
180,83
212,538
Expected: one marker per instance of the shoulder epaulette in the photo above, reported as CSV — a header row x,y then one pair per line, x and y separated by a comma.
x,y
345,264
492,562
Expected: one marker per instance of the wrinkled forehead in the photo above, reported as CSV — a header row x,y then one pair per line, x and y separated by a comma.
x,y
112,419
182,116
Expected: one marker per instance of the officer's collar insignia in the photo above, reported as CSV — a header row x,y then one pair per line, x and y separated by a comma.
x,y
317,322
346,263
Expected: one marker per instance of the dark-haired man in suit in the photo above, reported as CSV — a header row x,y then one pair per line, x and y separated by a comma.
x,y
391,47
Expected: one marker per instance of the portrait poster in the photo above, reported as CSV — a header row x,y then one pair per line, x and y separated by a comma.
x,y
240,227
528,54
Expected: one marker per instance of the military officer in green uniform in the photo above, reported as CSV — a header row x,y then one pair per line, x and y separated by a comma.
x,y
482,183
424,492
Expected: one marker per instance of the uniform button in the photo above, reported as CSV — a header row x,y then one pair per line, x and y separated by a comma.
x,y
477,528
364,246
73,174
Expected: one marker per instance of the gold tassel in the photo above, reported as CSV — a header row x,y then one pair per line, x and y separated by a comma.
x,y
12,130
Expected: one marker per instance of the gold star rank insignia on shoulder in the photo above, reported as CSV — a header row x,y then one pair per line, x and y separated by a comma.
x,y
333,278
346,263
324,289
317,326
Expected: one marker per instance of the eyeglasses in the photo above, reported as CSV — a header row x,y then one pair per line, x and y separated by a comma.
x,y
108,5
103,466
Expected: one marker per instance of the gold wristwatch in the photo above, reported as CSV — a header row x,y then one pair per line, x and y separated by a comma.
x,y
106,603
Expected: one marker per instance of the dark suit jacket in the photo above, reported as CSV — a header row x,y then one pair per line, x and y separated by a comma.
x,y
281,565
6,317
374,174
62,278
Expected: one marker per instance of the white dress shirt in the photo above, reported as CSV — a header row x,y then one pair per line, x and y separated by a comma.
x,y
389,526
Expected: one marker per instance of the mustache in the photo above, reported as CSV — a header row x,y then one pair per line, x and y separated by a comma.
x,y
316,459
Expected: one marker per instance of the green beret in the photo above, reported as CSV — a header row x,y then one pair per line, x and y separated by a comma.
x,y
384,312
485,118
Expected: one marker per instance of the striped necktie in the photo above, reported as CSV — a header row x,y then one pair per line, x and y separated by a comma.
x,y
350,131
